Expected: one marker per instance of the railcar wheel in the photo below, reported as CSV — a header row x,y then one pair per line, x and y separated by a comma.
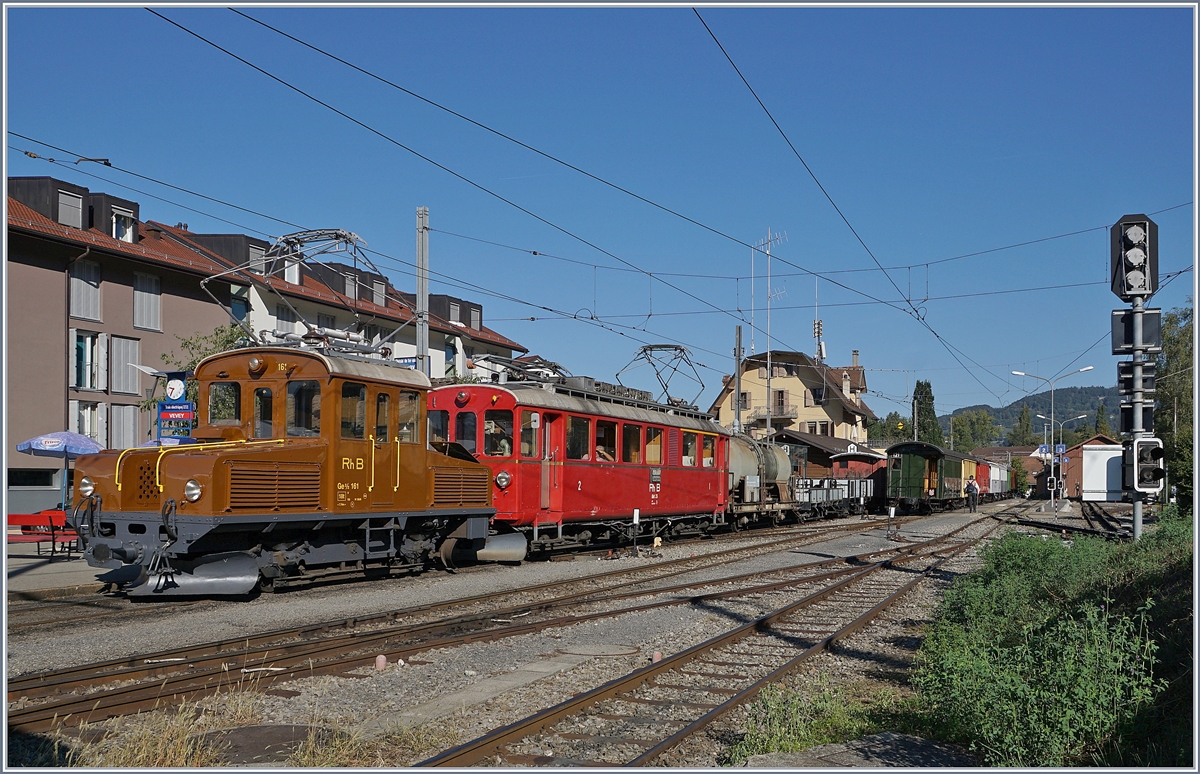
x,y
447,553
266,585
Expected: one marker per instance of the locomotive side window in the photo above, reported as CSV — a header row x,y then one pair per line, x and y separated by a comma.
x,y
529,435
439,424
578,430
408,413
631,444
262,412
464,430
653,446
304,408
497,433
707,452
354,410
225,403
689,449
381,417
606,440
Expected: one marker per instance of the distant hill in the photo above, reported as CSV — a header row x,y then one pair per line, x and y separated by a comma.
x,y
1068,402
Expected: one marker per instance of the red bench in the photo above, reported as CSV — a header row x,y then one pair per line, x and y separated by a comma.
x,y
43,527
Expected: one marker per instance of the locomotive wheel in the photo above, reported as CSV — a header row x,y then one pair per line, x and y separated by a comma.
x,y
266,585
447,553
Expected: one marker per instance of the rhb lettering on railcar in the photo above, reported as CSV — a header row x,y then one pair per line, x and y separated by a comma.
x,y
352,463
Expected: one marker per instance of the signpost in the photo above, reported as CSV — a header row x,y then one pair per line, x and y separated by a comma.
x,y
175,419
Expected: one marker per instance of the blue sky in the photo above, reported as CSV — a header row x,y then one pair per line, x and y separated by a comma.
x,y
936,132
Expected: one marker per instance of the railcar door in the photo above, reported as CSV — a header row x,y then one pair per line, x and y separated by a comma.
x,y
353,459
411,464
551,484
383,448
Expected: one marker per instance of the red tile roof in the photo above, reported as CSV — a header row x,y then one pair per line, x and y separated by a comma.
x,y
178,251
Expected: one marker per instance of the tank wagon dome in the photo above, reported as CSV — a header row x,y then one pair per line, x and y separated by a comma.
x,y
535,395
336,365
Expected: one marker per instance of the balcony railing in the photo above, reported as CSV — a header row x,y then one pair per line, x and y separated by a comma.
x,y
759,413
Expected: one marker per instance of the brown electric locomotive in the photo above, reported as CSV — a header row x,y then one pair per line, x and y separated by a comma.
x,y
308,465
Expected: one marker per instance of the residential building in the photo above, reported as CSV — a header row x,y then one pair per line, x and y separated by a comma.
x,y
101,291
805,397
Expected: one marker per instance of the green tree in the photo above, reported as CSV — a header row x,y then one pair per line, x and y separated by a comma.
x,y
1020,481
888,430
1102,420
1022,432
973,429
928,429
1174,417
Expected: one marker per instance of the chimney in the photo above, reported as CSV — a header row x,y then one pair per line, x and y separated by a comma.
x,y
854,360
153,230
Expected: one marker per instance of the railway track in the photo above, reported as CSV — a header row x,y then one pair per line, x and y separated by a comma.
x,y
633,720
121,686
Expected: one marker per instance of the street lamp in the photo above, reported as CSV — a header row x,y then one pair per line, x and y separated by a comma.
x,y
1052,382
1061,425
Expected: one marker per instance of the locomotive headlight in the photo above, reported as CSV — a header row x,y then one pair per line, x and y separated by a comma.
x,y
503,479
86,486
192,490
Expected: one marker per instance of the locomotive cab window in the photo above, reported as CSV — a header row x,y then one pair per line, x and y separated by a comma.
x,y
497,433
464,430
578,432
262,412
408,414
382,401
354,410
689,449
708,448
606,441
304,408
631,444
653,446
439,426
225,403
529,435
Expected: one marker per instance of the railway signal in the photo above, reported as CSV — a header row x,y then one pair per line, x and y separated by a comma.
x,y
1134,257
1147,459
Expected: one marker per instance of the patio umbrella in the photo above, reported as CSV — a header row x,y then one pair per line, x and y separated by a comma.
x,y
64,444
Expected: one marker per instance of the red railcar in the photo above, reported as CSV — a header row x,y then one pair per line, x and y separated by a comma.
x,y
983,477
571,465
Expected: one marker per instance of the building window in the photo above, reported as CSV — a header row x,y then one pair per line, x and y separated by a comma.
x,y
454,313
286,319
90,419
70,209
39,477
257,260
378,296
124,427
146,301
240,308
823,428
745,401
351,286
123,224
326,321
812,427
91,360
125,354
476,318
85,290
818,394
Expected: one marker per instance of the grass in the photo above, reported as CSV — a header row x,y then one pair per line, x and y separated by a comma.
x,y
1049,655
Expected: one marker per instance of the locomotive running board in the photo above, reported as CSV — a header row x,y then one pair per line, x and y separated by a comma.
x,y
234,573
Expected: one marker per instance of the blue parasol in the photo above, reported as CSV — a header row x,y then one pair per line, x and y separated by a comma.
x,y
64,444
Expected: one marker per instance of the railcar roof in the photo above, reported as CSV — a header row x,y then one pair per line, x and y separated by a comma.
x,y
534,394
925,450
350,367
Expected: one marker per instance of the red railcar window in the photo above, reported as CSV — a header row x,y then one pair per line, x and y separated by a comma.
x,y
689,449
497,432
653,446
606,440
529,435
631,443
465,430
578,438
708,452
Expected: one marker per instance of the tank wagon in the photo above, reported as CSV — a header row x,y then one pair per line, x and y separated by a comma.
x,y
309,466
573,458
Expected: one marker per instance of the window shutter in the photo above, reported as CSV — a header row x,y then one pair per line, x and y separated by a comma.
x,y
762,372
808,398
71,347
102,424
786,398
102,361
73,412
